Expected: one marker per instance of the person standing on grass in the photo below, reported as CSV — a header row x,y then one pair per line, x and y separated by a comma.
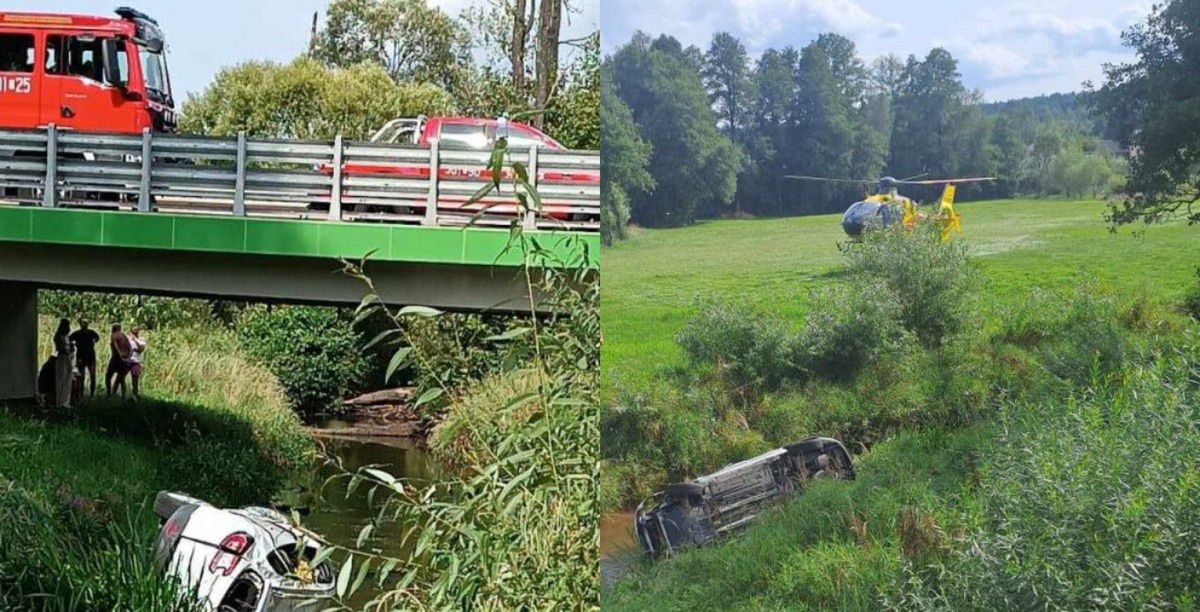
x,y
118,363
63,364
85,340
137,346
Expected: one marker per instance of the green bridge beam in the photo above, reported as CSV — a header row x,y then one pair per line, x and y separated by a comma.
x,y
270,260
475,246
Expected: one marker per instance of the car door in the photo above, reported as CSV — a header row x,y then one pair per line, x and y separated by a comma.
x,y
19,94
86,101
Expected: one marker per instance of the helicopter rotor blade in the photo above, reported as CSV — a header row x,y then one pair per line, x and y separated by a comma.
x,y
975,179
915,176
830,180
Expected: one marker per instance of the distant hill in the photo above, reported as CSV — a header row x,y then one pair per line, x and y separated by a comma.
x,y
1070,107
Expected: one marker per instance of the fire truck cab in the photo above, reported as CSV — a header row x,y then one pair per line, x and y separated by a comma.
x,y
91,74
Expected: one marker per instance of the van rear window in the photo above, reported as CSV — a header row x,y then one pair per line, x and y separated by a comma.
x,y
16,53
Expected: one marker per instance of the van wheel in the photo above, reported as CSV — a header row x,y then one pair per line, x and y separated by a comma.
x,y
683,489
166,503
814,446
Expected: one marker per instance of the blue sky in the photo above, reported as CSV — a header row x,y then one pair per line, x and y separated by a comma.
x,y
205,35
1005,49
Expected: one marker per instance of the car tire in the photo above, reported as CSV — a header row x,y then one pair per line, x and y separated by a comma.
x,y
683,489
166,503
806,447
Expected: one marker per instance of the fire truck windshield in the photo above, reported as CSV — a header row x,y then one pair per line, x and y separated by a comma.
x,y
154,69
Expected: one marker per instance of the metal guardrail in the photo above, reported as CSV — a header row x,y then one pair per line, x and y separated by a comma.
x,y
298,179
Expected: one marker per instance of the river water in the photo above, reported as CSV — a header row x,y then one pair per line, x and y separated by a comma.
x,y
339,518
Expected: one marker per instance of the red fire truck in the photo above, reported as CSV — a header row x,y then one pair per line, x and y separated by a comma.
x,y
95,74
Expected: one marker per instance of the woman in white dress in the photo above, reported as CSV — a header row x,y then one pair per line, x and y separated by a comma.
x,y
136,354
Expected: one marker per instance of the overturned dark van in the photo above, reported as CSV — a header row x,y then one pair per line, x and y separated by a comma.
x,y
697,512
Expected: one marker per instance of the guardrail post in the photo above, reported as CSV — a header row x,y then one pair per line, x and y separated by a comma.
x,y
50,192
531,214
335,198
239,189
431,201
144,186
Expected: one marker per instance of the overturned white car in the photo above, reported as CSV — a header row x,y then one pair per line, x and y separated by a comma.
x,y
697,512
247,560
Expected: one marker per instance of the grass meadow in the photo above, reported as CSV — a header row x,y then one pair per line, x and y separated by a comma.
x,y
1033,444
652,281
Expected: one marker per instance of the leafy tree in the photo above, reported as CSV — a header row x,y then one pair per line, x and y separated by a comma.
x,y
726,75
694,165
848,70
762,188
822,134
304,99
573,115
1153,106
409,39
929,96
624,157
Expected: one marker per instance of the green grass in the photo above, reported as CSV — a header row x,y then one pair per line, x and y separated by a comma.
x,y
77,486
651,282
1063,331
834,548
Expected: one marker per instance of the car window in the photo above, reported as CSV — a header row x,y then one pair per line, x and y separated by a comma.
x,y
474,136
16,53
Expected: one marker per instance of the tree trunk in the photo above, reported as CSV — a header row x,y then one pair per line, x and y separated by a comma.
x,y
516,49
549,26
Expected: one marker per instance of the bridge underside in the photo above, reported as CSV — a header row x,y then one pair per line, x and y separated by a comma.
x,y
251,259
297,280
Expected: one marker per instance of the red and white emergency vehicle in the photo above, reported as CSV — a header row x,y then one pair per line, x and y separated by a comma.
x,y
93,74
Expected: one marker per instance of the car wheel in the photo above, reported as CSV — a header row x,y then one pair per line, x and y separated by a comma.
x,y
806,447
683,489
166,503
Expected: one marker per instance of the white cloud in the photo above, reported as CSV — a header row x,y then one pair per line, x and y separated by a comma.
x,y
1005,49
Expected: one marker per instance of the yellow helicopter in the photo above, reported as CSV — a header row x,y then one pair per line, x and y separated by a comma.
x,y
886,206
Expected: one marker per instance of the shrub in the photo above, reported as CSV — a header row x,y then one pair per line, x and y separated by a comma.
x,y
1191,303
104,309
749,351
451,351
313,351
1075,336
848,328
1090,503
931,280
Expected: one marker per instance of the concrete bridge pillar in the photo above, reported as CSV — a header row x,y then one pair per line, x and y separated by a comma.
x,y
18,341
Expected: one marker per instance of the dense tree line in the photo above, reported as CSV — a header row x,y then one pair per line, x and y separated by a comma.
x,y
724,130
374,60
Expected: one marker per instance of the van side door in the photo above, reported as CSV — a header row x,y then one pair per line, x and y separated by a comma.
x,y
19,95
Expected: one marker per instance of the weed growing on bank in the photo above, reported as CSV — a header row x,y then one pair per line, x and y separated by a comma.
x,y
1090,502
517,521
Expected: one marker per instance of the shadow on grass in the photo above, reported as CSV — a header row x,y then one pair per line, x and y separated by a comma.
x,y
208,453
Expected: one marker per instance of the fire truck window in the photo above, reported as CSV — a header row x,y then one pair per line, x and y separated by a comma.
x,y
53,53
85,58
16,53
473,136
